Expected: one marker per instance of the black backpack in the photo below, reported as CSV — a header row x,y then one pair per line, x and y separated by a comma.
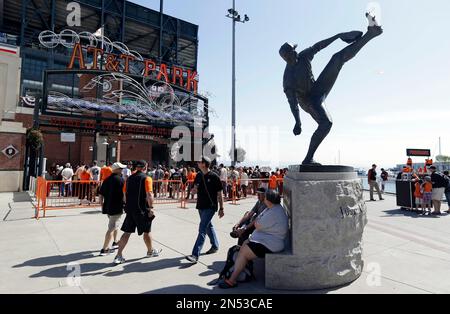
x,y
245,276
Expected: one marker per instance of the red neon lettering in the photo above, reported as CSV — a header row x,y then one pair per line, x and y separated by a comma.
x,y
77,54
97,52
177,73
148,69
191,81
163,72
127,59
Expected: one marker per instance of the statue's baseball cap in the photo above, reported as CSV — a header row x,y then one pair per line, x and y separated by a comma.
x,y
287,47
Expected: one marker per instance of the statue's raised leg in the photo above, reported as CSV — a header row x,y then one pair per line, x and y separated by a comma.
x,y
329,75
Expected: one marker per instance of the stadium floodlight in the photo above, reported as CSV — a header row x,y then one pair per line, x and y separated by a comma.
x,y
234,15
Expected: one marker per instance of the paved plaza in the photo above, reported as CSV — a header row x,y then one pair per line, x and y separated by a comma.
x,y
410,252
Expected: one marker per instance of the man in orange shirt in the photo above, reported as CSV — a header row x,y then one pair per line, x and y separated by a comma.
x,y
105,172
84,187
273,181
138,196
191,178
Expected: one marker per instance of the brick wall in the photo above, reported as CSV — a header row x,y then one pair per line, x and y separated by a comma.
x,y
18,141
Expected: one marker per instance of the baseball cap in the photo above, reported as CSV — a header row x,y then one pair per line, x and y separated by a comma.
x,y
261,190
433,167
140,164
118,165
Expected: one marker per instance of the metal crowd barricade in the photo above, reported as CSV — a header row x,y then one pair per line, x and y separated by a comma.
x,y
57,195
168,191
237,192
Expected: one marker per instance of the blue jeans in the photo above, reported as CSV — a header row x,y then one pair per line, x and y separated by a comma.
x,y
205,228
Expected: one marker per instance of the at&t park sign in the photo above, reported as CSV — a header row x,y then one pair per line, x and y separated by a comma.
x,y
116,57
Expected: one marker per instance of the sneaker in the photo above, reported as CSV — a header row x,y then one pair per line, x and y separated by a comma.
x,y
372,20
104,252
193,259
154,253
115,246
212,251
381,199
119,260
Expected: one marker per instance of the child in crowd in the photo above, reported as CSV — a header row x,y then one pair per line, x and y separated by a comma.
x,y
427,191
418,195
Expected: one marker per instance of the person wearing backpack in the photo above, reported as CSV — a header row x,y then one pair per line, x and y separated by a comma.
x,y
439,186
447,189
272,227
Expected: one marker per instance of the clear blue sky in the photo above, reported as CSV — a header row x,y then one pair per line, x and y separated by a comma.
x,y
393,95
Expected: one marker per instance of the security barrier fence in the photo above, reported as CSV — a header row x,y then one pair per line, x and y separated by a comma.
x,y
61,195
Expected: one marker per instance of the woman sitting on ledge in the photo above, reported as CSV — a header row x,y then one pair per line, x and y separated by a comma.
x,y
269,237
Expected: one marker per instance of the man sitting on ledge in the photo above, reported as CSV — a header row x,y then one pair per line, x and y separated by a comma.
x,y
269,237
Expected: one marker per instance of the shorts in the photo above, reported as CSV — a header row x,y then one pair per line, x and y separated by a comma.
x,y
426,198
258,249
114,222
418,201
438,194
139,221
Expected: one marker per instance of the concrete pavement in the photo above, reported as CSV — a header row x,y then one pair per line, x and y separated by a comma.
x,y
403,252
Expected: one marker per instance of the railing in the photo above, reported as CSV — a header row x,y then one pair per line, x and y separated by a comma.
x,y
58,195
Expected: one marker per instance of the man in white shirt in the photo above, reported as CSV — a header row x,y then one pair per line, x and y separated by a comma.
x,y
67,175
223,178
244,181
126,172
95,171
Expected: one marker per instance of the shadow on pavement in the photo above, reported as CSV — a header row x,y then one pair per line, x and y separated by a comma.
x,y
56,259
409,213
151,265
66,270
183,289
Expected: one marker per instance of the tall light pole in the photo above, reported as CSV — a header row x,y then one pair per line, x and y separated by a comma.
x,y
234,15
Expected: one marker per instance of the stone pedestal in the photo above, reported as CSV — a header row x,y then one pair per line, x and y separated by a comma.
x,y
328,216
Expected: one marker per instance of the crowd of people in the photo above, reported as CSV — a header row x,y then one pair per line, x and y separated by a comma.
x,y
430,190
261,231
430,187
168,182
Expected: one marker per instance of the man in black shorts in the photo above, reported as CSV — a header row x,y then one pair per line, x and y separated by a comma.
x,y
139,209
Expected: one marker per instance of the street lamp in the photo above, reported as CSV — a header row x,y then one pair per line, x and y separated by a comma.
x,y
235,17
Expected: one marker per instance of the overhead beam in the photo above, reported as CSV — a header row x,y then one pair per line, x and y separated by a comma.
x,y
2,5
